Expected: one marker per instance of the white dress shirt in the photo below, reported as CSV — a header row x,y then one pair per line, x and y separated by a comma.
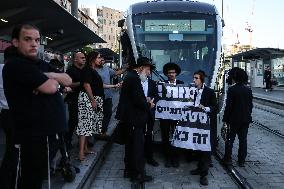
x,y
145,87
174,83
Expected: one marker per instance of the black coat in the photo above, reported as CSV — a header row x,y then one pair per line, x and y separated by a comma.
x,y
208,99
238,105
177,81
152,93
133,107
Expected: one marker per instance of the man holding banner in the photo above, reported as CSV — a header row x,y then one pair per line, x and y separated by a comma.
x,y
205,99
171,70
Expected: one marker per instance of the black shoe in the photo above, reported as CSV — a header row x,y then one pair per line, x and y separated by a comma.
x,y
195,172
225,161
140,178
204,181
241,163
126,174
135,185
175,163
152,162
168,163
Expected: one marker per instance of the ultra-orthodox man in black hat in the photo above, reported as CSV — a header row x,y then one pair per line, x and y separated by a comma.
x,y
171,70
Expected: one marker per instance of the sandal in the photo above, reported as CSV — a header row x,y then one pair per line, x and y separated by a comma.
x,y
90,152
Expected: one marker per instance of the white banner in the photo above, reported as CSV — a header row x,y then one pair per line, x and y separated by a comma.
x,y
173,110
191,138
193,128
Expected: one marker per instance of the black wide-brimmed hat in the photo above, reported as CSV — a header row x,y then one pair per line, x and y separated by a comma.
x,y
171,66
144,61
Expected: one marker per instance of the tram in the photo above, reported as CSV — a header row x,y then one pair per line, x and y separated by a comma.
x,y
187,33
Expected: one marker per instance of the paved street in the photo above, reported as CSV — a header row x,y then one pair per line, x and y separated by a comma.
x,y
111,174
277,94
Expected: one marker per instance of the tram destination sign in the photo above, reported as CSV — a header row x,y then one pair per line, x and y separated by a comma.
x,y
174,25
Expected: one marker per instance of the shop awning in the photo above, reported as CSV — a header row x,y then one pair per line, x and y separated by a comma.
x,y
259,53
66,31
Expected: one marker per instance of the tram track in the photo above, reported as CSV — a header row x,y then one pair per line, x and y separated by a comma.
x,y
236,176
268,109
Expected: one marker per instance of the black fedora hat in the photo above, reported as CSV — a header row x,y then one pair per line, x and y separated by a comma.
x,y
144,61
171,66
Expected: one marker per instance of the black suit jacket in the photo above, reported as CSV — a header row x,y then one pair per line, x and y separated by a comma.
x,y
133,107
152,93
208,99
177,81
238,105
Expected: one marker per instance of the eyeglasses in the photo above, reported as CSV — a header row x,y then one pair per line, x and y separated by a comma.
x,y
195,77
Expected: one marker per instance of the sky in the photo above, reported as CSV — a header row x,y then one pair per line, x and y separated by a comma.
x,y
266,20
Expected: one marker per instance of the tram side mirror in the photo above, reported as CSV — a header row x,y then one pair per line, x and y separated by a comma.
x,y
223,23
120,23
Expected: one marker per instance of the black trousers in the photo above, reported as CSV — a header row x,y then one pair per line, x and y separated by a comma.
x,y
203,162
73,120
167,128
9,162
268,84
34,166
107,113
241,130
148,146
134,159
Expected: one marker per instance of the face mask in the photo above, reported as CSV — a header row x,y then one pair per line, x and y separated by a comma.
x,y
143,77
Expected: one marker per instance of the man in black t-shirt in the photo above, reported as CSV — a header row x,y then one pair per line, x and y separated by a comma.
x,y
31,89
75,72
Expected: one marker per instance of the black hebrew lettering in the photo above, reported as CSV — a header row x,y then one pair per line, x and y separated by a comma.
x,y
185,136
177,135
204,136
197,138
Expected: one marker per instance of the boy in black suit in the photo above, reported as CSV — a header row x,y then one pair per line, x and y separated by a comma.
x,y
237,114
205,99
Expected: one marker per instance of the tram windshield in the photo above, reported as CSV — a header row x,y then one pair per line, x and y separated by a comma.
x,y
188,39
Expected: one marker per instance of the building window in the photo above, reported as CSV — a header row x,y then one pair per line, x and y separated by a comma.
x,y
109,37
104,21
111,30
107,15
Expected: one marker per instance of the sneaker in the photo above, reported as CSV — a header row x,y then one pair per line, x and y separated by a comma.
x,y
195,172
204,181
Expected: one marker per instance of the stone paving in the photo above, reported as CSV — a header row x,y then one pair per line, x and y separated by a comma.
x,y
111,174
